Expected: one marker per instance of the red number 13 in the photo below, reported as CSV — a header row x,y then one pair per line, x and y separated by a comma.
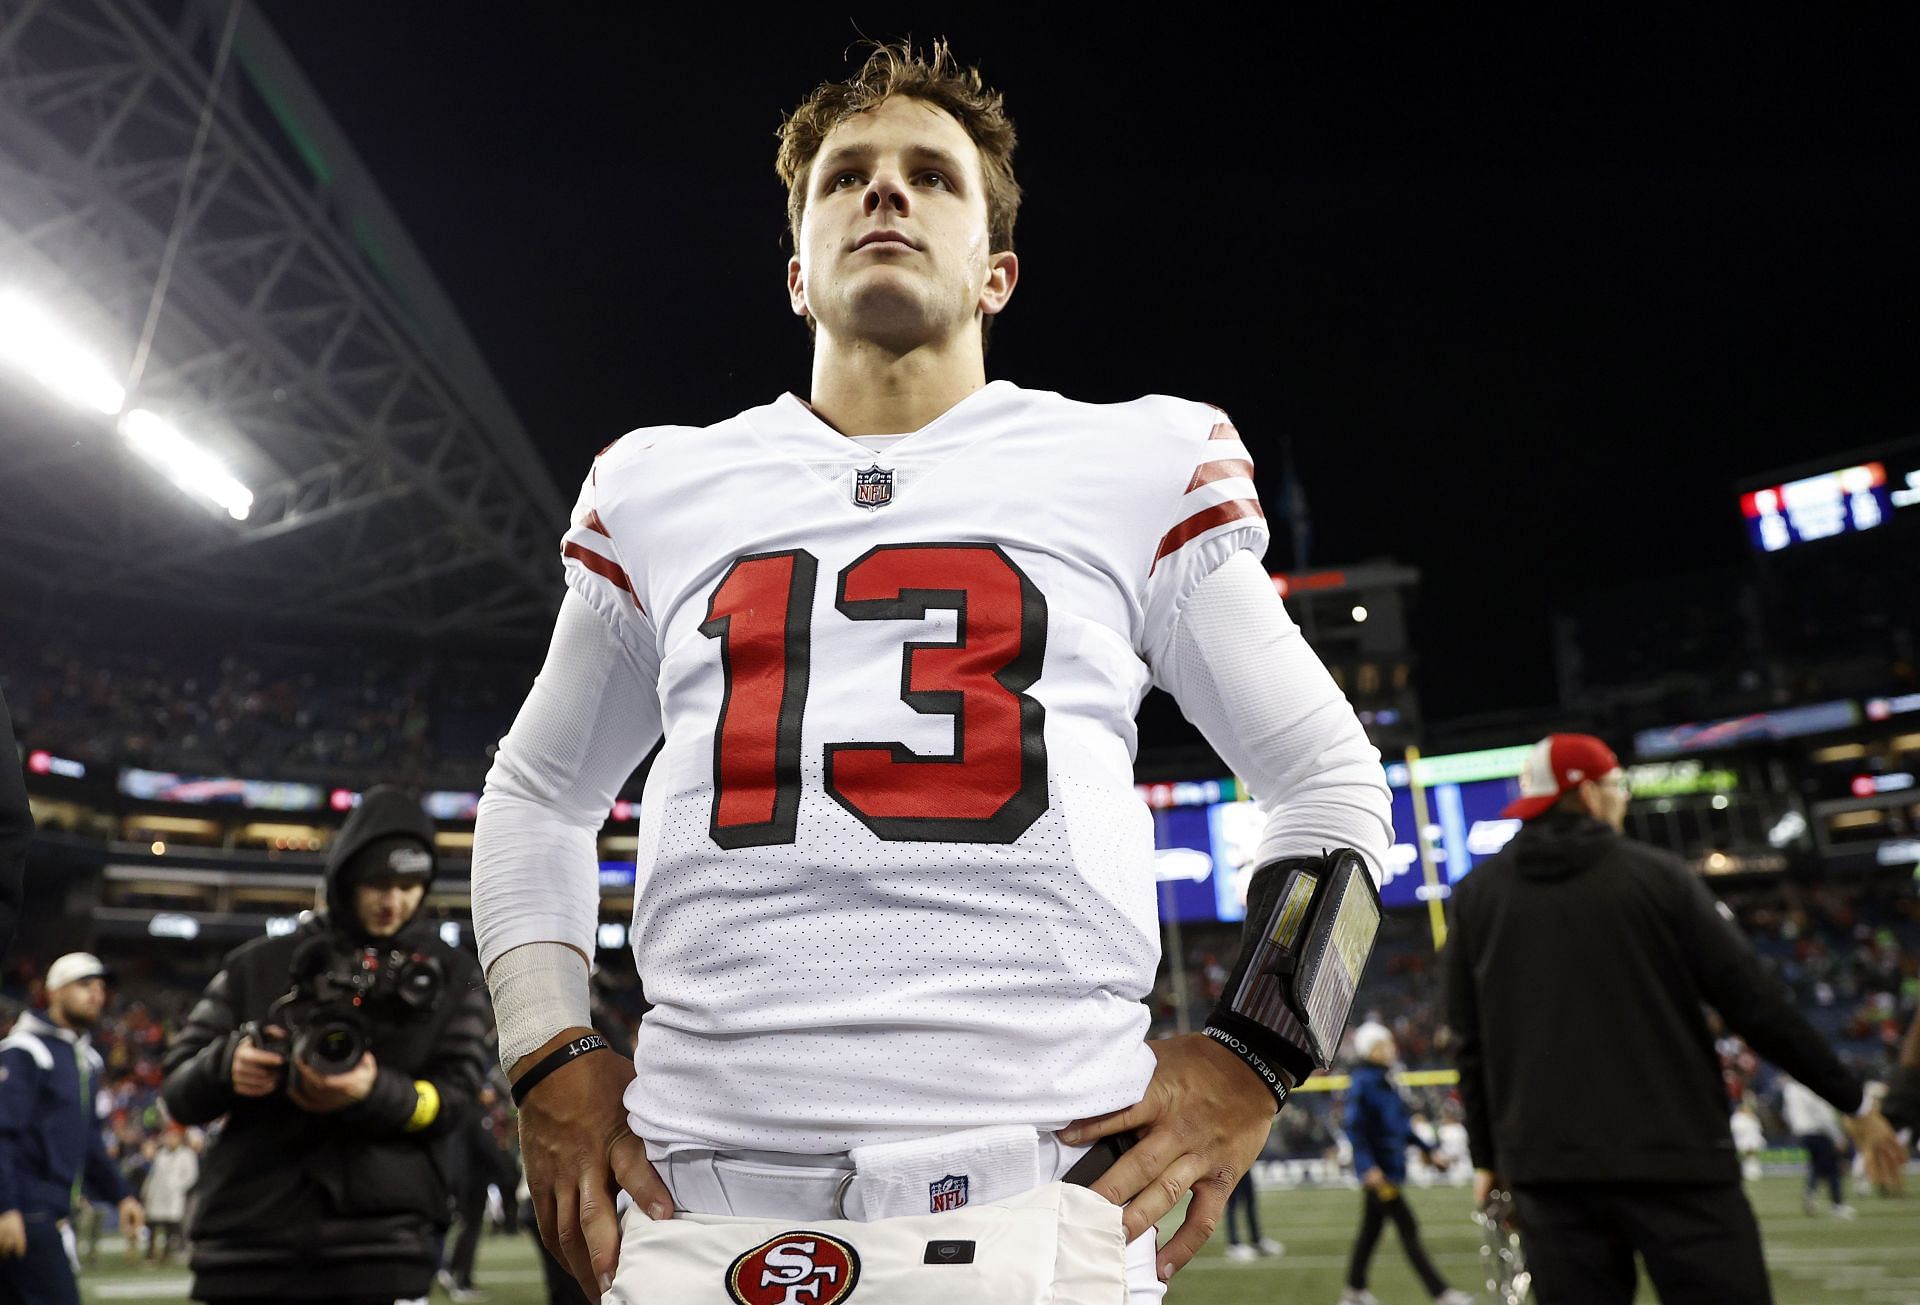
x,y
993,785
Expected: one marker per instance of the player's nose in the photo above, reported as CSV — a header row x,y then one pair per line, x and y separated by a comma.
x,y
887,190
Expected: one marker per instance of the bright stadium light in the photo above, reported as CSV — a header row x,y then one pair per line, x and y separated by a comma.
x,y
185,463
1359,613
33,342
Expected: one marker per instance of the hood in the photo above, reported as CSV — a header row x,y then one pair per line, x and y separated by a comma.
x,y
1560,845
383,813
32,1021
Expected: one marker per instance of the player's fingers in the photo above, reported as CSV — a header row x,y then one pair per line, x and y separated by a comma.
x,y
569,1243
1141,1164
637,1178
546,1212
1210,1191
1082,1131
599,1226
1163,1192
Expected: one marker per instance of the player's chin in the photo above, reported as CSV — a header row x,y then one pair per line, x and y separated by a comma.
x,y
891,311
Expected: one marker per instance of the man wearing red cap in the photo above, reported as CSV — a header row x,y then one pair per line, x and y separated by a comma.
x,y
1578,964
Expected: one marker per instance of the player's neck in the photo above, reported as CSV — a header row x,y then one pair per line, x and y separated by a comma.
x,y
861,388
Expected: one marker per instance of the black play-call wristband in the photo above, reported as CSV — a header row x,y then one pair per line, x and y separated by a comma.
x,y
561,1055
1265,1054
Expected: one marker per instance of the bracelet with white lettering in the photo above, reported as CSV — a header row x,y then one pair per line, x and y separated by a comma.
x,y
1270,1074
564,1054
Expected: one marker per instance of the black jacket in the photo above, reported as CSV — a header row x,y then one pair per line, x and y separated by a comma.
x,y
1578,962
16,831
323,1206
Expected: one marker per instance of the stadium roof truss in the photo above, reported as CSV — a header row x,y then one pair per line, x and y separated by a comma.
x,y
300,336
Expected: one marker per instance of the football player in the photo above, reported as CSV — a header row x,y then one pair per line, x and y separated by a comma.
x,y
895,901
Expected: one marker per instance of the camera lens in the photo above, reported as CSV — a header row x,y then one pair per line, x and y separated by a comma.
x,y
332,1046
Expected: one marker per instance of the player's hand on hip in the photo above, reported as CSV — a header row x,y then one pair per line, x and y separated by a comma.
x,y
1881,1148
1374,1179
579,1154
1200,1127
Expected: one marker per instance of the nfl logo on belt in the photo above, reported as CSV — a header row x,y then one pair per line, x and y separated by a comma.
x,y
873,488
949,1193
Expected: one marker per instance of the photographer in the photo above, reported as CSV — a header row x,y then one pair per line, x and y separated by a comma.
x,y
342,1053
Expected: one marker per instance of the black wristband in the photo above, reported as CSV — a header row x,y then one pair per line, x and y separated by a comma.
x,y
1269,1067
561,1055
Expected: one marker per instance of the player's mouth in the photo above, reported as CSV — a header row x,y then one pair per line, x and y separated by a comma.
x,y
884,237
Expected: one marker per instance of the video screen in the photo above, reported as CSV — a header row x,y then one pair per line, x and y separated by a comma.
x,y
1204,853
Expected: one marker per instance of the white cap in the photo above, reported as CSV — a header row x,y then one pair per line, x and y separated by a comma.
x,y
1369,1037
72,968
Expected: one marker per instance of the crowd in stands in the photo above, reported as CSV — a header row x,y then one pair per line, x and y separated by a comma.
x,y
266,712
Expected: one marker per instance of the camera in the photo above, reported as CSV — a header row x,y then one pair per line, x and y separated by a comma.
x,y
340,997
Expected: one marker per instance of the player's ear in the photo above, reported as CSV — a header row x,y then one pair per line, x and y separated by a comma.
x,y
1003,272
796,287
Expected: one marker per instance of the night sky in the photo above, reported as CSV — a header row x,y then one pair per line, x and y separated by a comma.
x,y
1527,301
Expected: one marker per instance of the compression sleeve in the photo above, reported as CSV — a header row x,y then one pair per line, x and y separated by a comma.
x,y
1244,675
592,716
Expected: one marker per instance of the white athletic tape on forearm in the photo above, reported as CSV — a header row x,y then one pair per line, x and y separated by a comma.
x,y
539,989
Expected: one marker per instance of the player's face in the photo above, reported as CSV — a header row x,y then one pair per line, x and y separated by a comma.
x,y
893,240
385,907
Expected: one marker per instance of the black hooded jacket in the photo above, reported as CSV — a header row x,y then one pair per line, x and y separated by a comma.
x,y
328,1206
1578,965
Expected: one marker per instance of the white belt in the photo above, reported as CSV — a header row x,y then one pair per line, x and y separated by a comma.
x,y
926,1175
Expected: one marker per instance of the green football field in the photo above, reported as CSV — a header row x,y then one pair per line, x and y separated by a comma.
x,y
1872,1260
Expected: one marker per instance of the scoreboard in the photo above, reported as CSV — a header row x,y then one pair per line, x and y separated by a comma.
x,y
1843,501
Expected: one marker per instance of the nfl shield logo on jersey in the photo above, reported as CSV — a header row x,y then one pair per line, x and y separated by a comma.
x,y
949,1193
873,488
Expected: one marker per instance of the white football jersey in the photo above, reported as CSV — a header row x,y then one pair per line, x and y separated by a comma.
x,y
893,877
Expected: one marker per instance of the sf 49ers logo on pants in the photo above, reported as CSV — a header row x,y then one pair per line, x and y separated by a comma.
x,y
795,1268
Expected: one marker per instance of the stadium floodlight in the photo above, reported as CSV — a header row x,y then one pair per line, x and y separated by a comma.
x,y
185,463
32,341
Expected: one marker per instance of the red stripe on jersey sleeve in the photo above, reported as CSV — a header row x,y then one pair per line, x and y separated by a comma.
x,y
1204,520
1224,431
1208,472
594,523
600,566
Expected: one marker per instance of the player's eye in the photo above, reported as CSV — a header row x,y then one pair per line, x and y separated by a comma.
x,y
840,179
938,179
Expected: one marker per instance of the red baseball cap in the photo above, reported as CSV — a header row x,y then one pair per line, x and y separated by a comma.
x,y
1557,764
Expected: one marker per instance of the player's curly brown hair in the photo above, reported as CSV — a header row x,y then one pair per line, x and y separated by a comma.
x,y
897,68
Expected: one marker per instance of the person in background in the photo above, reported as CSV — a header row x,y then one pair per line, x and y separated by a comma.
x,y
1378,1124
1817,1126
1244,1202
16,831
1580,966
1749,1140
52,1147
170,1180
